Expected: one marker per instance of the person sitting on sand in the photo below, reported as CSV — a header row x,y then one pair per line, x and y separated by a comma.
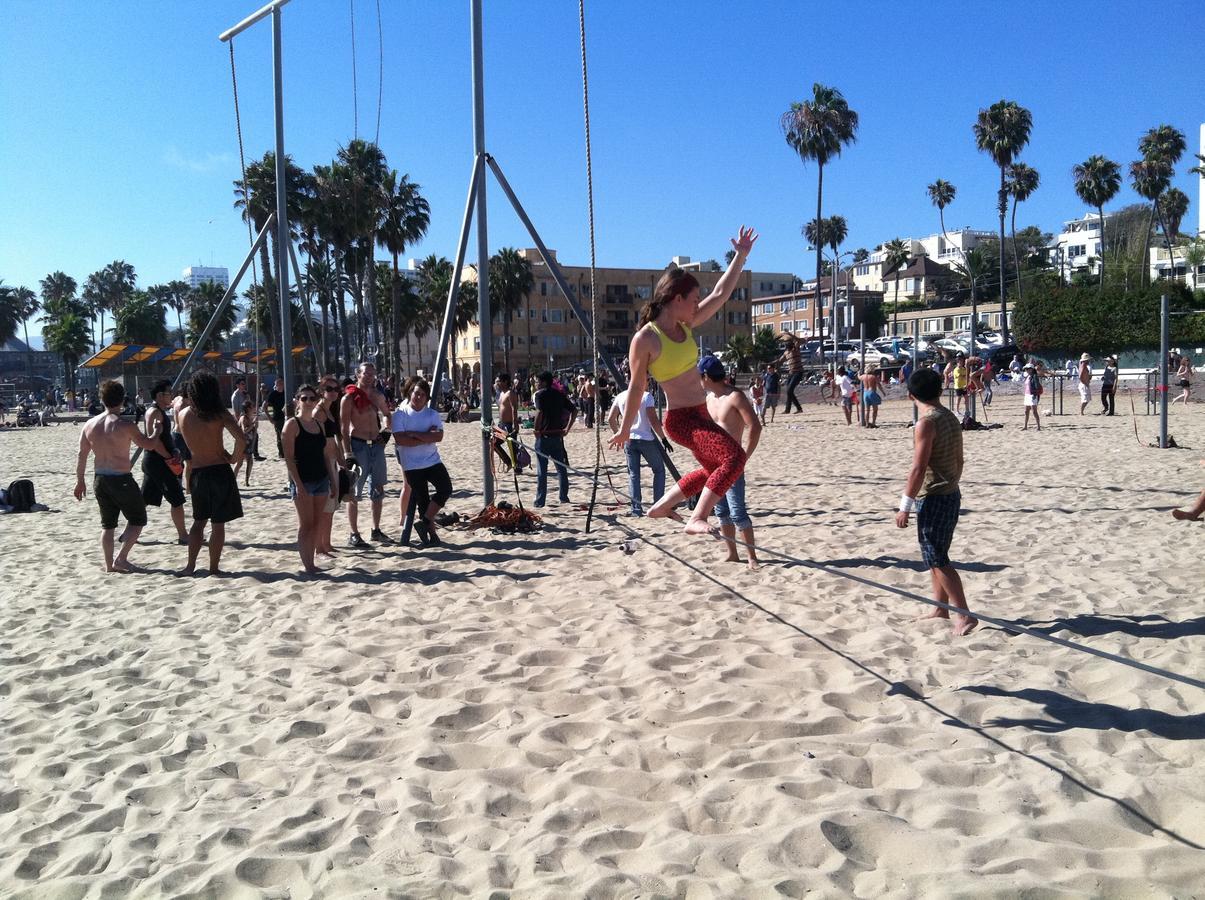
x,y
214,488
664,347
932,490
109,436
732,411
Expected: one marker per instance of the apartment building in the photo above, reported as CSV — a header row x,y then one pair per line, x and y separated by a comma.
x,y
797,312
545,332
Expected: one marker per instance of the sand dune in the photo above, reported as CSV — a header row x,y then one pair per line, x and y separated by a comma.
x,y
549,716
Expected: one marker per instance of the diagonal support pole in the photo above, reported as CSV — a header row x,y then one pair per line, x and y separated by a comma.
x,y
445,331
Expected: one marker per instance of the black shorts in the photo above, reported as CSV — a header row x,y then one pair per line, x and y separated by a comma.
x,y
158,482
960,392
119,494
935,523
215,495
178,440
1184,382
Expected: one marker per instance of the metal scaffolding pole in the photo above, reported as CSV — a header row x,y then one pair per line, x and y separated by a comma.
x,y
483,262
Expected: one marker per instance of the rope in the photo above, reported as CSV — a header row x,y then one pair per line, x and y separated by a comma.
x,y
355,91
581,21
242,161
380,73
1005,624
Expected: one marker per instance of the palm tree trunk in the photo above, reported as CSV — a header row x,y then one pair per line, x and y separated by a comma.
x,y
816,314
371,265
1144,275
28,351
341,311
395,306
1002,207
1100,210
1016,257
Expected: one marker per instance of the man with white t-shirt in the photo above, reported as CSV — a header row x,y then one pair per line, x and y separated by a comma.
x,y
417,429
642,442
847,395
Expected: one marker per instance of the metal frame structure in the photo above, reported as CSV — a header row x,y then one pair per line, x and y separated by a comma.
x,y
477,198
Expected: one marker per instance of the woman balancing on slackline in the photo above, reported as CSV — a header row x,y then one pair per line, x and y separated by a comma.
x,y
665,348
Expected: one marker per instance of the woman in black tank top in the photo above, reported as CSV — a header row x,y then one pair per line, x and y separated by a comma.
x,y
327,414
309,457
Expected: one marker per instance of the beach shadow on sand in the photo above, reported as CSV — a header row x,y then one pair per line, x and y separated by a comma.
x,y
1067,713
911,693
894,562
1088,625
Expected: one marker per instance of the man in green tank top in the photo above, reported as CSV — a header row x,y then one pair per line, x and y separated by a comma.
x,y
932,490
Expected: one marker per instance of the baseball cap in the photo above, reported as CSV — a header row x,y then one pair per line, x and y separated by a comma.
x,y
712,367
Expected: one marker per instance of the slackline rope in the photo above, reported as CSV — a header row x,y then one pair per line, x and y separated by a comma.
x,y
909,595
380,72
581,21
355,91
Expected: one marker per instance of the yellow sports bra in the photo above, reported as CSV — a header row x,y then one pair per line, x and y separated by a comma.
x,y
676,356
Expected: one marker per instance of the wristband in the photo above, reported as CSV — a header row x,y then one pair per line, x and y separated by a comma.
x,y
907,504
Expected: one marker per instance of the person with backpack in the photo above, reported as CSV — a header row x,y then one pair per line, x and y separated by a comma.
x,y
109,436
1032,392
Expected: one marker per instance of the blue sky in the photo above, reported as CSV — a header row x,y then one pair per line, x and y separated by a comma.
x,y
118,140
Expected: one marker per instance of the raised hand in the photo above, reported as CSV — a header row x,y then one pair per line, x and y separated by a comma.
x,y
744,241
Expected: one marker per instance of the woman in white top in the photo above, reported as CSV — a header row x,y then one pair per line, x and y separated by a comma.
x,y
417,429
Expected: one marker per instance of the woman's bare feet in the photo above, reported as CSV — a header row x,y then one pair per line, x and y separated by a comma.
x,y
699,526
1186,515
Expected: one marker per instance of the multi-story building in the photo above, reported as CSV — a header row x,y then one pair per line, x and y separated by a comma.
x,y
1183,267
545,332
797,312
945,249
1077,247
198,275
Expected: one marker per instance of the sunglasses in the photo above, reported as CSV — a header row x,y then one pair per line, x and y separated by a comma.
x,y
331,389
310,399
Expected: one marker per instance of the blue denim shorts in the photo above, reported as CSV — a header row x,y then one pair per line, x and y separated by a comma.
x,y
371,458
322,487
731,508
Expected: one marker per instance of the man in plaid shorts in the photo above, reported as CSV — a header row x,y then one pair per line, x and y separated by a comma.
x,y
932,490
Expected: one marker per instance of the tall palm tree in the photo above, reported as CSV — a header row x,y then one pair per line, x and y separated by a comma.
x,y
9,315
203,303
363,166
27,307
435,283
161,294
58,287
975,267
1174,204
1097,181
1023,180
120,282
941,194
326,209
65,332
511,280
320,281
817,129
407,217
1150,177
95,295
895,258
836,230
1002,131
861,255
178,300
1164,144
141,319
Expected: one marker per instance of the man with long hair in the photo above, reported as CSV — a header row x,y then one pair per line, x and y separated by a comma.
x,y
214,488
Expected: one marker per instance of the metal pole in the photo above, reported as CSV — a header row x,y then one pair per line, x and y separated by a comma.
x,y
915,358
863,413
285,356
461,247
483,261
304,292
555,271
1164,341
252,19
974,350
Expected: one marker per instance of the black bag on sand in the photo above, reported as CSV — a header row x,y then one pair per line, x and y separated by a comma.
x,y
21,496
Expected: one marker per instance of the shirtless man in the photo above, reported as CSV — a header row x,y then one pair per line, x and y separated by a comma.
x,y
508,416
109,436
733,412
214,491
159,481
364,421
871,397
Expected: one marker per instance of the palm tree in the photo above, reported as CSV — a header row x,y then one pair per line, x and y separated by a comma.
x,y
817,129
1162,144
407,217
1002,131
1194,258
511,281
203,303
1097,181
177,299
942,194
895,257
861,255
94,296
27,306
9,314
738,352
320,281
836,231
1023,180
141,319
975,267
435,283
326,210
65,332
363,166
58,287
1174,204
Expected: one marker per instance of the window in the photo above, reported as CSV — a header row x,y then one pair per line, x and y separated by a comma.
x,y
785,307
800,303
476,342
932,325
531,314
962,322
543,291
644,292
738,318
554,315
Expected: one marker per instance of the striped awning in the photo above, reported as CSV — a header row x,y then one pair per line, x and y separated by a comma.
x,y
131,354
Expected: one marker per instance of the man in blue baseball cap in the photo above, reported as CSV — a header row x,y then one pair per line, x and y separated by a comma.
x,y
733,411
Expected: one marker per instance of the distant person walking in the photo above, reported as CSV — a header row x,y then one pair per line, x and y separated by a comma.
x,y
771,380
554,417
794,361
1108,386
1184,379
1031,387
274,409
871,398
1085,382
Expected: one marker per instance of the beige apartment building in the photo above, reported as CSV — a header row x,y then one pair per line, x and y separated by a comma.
x,y
546,334
797,312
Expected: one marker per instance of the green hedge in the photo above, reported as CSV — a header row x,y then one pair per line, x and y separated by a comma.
x,y
1074,319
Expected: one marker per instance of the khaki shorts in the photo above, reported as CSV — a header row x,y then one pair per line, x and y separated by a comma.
x,y
1085,392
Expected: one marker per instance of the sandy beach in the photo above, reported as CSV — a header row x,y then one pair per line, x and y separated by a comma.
x,y
552,716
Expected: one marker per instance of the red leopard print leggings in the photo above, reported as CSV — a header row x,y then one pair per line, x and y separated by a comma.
x,y
722,458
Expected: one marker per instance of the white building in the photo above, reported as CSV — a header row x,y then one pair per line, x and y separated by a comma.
x,y
946,249
198,275
1077,247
